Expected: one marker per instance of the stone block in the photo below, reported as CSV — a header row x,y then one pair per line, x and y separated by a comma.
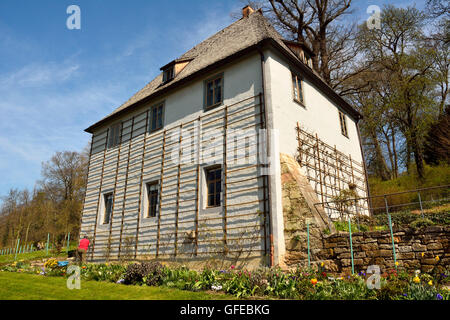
x,y
429,261
434,246
419,247
405,249
369,247
385,253
406,255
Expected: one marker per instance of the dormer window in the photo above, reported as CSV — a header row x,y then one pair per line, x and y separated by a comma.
x,y
173,68
301,51
168,74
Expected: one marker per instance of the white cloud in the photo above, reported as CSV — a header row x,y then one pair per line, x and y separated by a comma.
x,y
37,75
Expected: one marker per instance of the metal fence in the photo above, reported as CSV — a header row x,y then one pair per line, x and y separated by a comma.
x,y
21,248
418,201
345,215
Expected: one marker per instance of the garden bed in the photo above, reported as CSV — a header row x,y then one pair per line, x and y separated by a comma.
x,y
305,284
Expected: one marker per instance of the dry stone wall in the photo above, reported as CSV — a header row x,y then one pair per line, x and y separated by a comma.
x,y
415,249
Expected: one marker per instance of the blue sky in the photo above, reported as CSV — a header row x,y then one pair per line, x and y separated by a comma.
x,y
55,82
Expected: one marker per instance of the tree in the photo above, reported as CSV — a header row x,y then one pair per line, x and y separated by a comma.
x,y
437,146
53,207
397,50
316,24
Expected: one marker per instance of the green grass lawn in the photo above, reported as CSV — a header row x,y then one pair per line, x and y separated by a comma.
x,y
35,255
21,286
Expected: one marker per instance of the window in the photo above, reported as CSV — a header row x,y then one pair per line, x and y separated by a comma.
x,y
168,74
108,202
214,92
114,135
343,122
214,186
156,117
152,198
297,88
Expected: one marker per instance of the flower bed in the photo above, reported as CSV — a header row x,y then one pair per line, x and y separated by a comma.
x,y
275,283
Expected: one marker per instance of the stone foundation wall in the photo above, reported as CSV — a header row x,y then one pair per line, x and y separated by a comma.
x,y
298,208
415,249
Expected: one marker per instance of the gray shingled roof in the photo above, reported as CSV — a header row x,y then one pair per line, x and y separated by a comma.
x,y
234,38
238,36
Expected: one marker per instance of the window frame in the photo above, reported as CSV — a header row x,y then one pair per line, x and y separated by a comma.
x,y
148,185
106,196
205,91
111,143
207,193
168,71
298,79
150,118
343,124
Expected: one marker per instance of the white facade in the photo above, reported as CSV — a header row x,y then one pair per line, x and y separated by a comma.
x,y
125,169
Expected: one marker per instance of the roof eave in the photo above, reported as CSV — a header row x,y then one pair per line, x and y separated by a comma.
x,y
267,41
180,82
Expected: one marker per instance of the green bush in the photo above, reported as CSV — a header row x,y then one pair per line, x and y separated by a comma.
x,y
150,273
421,223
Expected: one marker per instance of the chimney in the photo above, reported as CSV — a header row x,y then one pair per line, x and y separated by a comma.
x,y
246,11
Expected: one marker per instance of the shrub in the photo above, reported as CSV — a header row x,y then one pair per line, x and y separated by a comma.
x,y
421,223
103,272
149,273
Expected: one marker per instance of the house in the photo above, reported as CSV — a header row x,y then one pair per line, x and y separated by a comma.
x,y
191,167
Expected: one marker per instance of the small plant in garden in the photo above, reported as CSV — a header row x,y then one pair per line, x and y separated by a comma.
x,y
303,283
421,223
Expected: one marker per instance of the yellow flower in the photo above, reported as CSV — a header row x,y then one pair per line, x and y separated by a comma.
x,y
437,258
423,253
321,264
396,263
314,281
416,279
430,282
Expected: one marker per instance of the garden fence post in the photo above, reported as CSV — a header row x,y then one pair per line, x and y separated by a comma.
x,y
357,214
392,234
351,245
17,248
31,249
420,201
68,241
393,243
307,235
48,239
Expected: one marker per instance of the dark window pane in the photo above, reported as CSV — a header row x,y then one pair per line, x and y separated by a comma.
x,y
218,173
211,200
217,199
154,118
209,93
160,111
218,91
218,186
108,208
152,199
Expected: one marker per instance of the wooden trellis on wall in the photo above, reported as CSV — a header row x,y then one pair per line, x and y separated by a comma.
x,y
143,156
330,172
